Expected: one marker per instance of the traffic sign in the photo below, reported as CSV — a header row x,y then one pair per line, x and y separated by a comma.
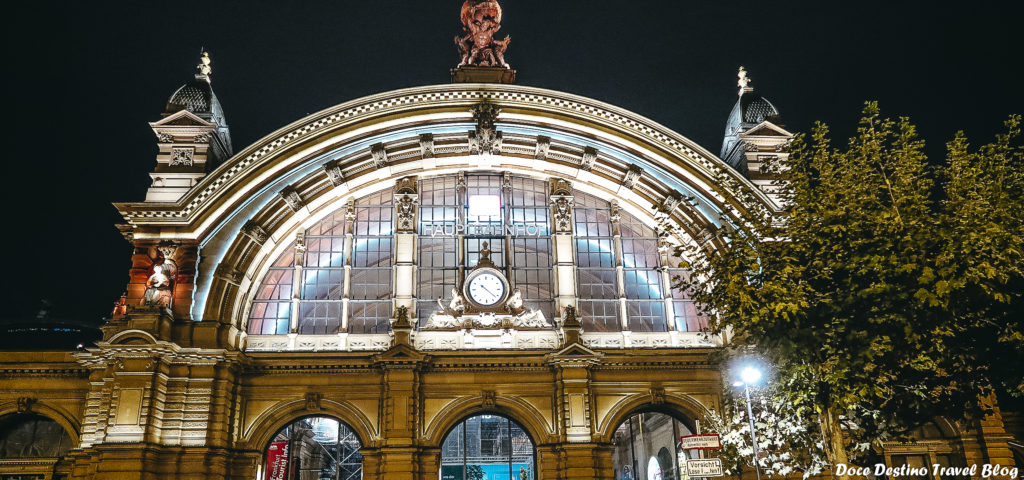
x,y
706,441
704,467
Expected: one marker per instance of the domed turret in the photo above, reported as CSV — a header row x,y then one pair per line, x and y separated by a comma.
x,y
193,137
750,110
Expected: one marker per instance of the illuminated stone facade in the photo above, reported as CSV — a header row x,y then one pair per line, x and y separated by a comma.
x,y
198,374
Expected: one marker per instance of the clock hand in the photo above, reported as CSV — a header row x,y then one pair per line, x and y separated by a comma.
x,y
488,291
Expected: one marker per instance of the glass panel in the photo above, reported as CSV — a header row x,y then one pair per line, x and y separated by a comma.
x,y
644,284
319,318
646,316
487,447
640,253
687,317
270,318
32,436
323,284
600,315
594,252
369,316
277,285
596,283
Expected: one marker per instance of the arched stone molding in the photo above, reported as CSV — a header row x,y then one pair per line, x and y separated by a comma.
x,y
41,407
684,407
517,410
133,337
276,417
582,137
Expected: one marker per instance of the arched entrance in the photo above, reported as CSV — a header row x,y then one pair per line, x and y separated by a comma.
x,y
647,447
488,447
318,447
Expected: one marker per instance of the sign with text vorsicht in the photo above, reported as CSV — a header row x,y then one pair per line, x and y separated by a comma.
x,y
704,467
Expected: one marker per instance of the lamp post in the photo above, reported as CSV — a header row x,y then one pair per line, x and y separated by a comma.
x,y
749,376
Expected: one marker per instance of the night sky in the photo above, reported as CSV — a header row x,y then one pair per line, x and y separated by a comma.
x,y
86,77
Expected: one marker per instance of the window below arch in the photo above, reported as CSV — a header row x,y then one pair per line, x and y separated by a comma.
x,y
26,435
486,446
313,447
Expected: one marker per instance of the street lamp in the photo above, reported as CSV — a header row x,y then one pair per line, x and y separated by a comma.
x,y
750,376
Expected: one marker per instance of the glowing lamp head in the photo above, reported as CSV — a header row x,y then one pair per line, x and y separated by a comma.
x,y
750,375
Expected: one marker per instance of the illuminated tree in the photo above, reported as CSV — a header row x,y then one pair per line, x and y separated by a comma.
x,y
888,290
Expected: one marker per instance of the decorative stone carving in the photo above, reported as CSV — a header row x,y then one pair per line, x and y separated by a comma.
x,y
543,145
379,155
333,172
481,19
350,211
670,203
25,404
313,401
657,396
164,137
300,248
203,137
486,138
632,177
406,185
488,399
182,156
561,186
615,215
401,318
460,182
405,213
589,159
427,145
570,318
506,182
561,213
292,198
228,273
254,231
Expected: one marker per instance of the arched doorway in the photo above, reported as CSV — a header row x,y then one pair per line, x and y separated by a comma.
x,y
647,447
319,448
488,447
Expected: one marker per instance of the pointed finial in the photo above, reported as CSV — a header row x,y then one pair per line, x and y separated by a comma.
x,y
204,64
744,81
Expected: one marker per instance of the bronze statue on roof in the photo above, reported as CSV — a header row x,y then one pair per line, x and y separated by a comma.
x,y
481,19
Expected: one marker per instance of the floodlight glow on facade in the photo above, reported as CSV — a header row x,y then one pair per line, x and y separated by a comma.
x,y
485,205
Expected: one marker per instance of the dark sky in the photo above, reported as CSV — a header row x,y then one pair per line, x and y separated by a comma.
x,y
86,77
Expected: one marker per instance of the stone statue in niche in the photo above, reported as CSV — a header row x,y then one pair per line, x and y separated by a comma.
x,y
158,288
481,19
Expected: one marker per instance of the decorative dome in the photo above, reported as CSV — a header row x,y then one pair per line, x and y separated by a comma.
x,y
756,109
196,96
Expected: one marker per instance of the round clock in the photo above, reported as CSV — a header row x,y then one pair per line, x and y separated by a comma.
x,y
486,287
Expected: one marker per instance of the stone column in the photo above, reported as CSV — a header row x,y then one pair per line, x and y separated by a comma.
x,y
350,225
563,250
399,412
406,222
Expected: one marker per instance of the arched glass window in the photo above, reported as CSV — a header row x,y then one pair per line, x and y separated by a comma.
x,y
595,264
488,447
314,447
605,242
510,213
319,308
647,447
25,435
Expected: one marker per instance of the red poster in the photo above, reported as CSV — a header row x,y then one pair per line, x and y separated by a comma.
x,y
277,461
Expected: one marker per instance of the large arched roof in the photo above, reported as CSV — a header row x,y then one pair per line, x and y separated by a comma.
x,y
425,131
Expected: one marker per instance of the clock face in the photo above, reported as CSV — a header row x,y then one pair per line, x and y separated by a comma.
x,y
486,289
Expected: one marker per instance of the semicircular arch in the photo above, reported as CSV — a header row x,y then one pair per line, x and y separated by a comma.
x,y
528,417
683,407
274,418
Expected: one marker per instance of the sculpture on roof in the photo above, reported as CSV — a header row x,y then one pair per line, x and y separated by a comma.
x,y
481,19
744,80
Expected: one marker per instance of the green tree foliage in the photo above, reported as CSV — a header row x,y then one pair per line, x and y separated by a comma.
x,y
888,290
